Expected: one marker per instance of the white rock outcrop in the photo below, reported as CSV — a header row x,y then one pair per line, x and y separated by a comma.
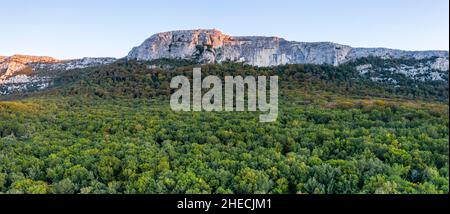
x,y
424,70
21,72
10,66
212,46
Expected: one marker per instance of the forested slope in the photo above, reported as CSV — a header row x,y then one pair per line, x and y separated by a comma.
x,y
110,129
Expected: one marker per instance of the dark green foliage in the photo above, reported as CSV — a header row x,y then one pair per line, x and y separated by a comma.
x,y
110,130
136,79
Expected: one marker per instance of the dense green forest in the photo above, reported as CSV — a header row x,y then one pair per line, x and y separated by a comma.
x,y
110,129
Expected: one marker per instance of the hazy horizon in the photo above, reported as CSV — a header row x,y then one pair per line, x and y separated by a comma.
x,y
103,28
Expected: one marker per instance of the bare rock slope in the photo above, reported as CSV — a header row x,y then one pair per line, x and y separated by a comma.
x,y
22,72
212,46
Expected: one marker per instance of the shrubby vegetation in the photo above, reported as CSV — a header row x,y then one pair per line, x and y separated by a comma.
x,y
135,79
110,130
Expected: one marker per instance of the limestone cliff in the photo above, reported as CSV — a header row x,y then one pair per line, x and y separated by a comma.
x,y
212,46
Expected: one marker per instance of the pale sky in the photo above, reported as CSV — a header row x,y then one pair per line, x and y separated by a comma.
x,y
101,28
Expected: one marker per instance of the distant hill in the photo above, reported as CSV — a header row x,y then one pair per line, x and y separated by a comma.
x,y
24,73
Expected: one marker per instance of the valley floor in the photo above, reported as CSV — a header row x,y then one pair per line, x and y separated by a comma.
x,y
321,143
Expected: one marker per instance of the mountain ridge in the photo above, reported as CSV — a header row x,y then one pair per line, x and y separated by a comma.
x,y
11,66
22,72
213,46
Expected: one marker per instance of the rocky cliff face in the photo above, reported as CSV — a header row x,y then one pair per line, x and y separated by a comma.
x,y
17,64
212,46
22,72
